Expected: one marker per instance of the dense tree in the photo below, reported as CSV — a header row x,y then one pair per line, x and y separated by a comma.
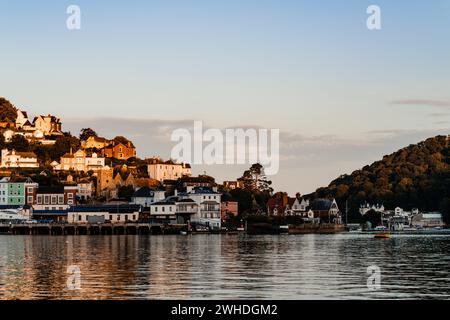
x,y
244,199
19,143
63,145
121,139
254,179
86,133
417,176
7,110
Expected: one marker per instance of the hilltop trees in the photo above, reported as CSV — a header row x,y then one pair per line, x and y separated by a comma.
x,y
86,133
417,176
7,110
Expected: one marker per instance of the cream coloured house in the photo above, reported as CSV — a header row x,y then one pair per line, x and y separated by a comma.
x,y
79,161
14,159
167,170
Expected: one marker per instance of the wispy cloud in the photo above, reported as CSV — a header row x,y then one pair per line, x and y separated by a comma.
x,y
306,161
422,102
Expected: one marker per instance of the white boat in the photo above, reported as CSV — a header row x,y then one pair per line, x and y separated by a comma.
x,y
12,216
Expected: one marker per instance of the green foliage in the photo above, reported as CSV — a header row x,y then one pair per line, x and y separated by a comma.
x,y
244,199
121,139
86,133
417,176
18,143
254,179
7,110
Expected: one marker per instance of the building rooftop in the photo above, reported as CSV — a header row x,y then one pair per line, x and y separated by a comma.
x,y
50,190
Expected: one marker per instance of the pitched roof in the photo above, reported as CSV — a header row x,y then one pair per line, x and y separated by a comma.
x,y
321,205
143,192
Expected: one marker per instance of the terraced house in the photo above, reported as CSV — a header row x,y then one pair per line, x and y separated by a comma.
x,y
17,191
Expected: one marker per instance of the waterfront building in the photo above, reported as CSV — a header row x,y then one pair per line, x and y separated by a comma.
x,y
145,196
163,212
209,206
228,208
167,170
17,191
428,220
55,198
14,159
114,214
326,210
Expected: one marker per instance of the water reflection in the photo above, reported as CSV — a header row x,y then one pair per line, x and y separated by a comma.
x,y
223,267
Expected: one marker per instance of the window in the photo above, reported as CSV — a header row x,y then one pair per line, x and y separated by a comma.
x,y
53,199
46,200
30,189
70,195
118,217
61,199
79,217
156,209
163,209
134,217
30,199
110,217
39,199
126,217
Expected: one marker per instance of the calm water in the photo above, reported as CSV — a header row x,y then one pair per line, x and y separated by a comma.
x,y
224,267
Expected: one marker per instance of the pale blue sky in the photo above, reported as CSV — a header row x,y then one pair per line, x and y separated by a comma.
x,y
310,68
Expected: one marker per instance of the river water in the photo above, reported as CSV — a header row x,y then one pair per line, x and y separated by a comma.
x,y
224,267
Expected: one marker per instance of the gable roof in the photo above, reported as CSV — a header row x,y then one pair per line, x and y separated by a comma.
x,y
321,205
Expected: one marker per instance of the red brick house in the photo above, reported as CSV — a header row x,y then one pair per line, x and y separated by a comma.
x,y
120,151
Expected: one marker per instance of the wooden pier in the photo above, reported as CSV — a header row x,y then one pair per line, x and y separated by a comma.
x,y
89,229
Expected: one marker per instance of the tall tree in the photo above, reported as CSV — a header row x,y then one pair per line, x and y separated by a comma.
x,y
86,133
7,110
254,179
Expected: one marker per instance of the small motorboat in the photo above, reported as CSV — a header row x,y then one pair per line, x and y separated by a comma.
x,y
383,235
183,233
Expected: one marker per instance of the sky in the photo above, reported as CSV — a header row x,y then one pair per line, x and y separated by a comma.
x,y
341,95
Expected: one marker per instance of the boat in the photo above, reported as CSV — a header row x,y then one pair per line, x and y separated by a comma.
x,y
284,229
8,216
383,235
183,233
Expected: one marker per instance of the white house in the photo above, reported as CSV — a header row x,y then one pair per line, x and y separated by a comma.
x,y
113,214
209,206
167,170
85,190
145,196
14,159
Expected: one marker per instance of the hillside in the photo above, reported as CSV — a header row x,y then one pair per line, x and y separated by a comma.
x,y
417,176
